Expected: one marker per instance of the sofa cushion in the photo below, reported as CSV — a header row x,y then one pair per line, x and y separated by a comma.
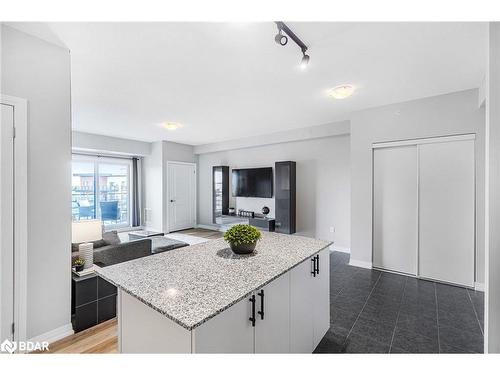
x,y
123,252
161,244
111,238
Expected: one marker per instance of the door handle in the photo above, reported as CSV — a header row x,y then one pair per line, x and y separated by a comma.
x,y
172,200
252,318
313,259
261,312
317,264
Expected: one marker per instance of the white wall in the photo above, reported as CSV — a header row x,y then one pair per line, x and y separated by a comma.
x,y
40,72
178,152
152,176
97,143
311,132
449,114
323,183
492,302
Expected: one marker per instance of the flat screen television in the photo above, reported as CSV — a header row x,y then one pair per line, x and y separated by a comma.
x,y
252,182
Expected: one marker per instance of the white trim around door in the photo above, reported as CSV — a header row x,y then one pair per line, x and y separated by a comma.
x,y
421,141
169,225
20,212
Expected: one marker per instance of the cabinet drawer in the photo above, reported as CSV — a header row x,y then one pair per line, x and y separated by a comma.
x,y
85,316
85,291
106,308
104,288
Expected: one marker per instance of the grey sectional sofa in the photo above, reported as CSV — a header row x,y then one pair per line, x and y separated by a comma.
x,y
109,254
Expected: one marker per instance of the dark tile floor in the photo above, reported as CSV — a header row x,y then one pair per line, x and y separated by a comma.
x,y
379,312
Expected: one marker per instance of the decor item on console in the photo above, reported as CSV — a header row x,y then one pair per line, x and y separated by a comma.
x,y
265,210
244,213
78,264
83,232
242,238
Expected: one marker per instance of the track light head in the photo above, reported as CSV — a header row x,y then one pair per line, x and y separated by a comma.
x,y
304,62
281,39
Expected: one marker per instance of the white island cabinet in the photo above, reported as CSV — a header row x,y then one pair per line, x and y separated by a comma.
x,y
234,331
275,301
309,303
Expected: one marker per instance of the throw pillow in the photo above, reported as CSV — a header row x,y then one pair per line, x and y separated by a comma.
x,y
111,238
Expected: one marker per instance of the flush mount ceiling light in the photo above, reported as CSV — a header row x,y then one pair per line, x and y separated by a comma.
x,y
171,125
282,40
341,91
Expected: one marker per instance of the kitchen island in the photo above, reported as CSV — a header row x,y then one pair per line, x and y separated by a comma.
x,y
205,299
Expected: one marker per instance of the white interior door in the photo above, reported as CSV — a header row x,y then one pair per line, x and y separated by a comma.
x,y
447,212
7,222
395,216
181,196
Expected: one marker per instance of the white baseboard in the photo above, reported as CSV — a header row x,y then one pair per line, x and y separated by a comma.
x,y
209,227
341,249
359,263
55,334
479,287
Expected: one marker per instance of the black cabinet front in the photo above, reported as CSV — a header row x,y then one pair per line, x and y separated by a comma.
x,y
106,308
93,301
85,316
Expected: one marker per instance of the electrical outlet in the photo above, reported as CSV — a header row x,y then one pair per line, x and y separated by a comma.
x,y
332,229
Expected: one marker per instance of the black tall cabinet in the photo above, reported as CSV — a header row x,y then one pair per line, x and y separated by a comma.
x,y
220,192
285,194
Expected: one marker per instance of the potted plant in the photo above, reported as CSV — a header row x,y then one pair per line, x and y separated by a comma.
x,y
242,238
79,263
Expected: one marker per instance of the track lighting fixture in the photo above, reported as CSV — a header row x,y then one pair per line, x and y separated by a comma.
x,y
304,62
282,40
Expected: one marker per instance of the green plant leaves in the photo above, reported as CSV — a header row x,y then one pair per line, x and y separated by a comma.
x,y
242,234
79,262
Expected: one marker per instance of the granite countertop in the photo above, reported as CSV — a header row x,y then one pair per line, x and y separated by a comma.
x,y
192,284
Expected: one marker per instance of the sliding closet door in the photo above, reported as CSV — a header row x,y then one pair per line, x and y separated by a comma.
x,y
446,203
395,195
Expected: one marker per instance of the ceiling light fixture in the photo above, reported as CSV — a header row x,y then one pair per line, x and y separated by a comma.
x,y
282,40
304,62
171,125
341,91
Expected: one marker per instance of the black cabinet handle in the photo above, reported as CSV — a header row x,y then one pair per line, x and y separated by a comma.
x,y
252,318
317,264
261,312
314,266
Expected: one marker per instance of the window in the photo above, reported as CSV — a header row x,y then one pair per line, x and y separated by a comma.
x,y
101,189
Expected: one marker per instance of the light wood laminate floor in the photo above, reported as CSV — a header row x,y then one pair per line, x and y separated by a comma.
x,y
98,339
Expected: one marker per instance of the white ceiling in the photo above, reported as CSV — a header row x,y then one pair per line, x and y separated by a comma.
x,y
226,81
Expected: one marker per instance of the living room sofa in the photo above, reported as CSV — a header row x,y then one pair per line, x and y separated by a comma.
x,y
108,252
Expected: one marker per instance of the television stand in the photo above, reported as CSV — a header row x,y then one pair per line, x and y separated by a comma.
x,y
264,223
